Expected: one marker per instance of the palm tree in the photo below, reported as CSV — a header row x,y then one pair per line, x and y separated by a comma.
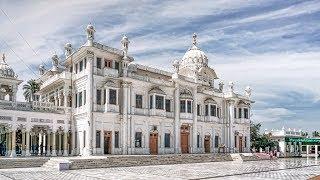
x,y
30,89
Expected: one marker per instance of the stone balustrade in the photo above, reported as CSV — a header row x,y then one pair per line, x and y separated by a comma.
x,y
33,106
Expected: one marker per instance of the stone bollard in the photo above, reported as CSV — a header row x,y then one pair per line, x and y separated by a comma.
x,y
63,166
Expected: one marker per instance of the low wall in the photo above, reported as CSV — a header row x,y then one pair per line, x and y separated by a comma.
x,y
7,163
255,157
145,160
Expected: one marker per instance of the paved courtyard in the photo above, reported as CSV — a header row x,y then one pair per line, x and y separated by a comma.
x,y
279,169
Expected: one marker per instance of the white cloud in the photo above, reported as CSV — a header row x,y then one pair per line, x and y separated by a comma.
x,y
161,32
271,114
294,10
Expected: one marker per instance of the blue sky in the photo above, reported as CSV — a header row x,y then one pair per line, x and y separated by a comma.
x,y
271,45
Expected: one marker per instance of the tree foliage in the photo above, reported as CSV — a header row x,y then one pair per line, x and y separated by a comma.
x,y
260,140
30,89
315,134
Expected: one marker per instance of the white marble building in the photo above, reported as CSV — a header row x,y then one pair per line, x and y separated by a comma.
x,y
97,100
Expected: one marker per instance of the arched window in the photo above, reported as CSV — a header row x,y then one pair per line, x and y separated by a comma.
x,y
157,98
186,101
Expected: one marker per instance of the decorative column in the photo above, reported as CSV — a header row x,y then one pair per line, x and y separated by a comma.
x,y
23,152
28,142
316,151
107,99
65,142
56,103
8,143
195,116
48,153
231,118
177,145
44,142
90,87
32,148
60,98
59,143
39,143
124,122
13,142
54,152
65,99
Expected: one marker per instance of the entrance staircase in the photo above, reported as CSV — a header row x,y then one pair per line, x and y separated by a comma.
x,y
144,160
53,163
236,157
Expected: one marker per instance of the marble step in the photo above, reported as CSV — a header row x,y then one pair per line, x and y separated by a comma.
x,y
7,163
145,160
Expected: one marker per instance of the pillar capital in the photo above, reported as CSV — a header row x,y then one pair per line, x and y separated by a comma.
x,y
13,128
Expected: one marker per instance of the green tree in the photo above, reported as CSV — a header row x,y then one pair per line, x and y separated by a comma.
x,y
260,140
30,89
315,134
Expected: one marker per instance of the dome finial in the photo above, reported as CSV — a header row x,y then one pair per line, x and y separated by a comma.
x,y
3,58
194,37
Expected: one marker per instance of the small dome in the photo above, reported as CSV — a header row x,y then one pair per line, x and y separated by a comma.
x,y
90,26
6,70
124,37
68,45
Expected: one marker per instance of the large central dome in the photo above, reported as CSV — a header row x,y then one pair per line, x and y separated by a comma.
x,y
194,63
194,58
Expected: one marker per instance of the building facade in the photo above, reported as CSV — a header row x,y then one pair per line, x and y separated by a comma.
x,y
97,101
293,143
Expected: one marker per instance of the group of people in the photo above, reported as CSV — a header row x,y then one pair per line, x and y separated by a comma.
x,y
35,148
3,148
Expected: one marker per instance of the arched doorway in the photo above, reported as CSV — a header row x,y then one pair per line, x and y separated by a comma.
x,y
184,133
19,143
4,133
207,143
240,144
107,142
153,143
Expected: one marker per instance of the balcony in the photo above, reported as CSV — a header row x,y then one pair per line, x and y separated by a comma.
x,y
186,115
169,114
211,119
112,108
241,121
140,111
157,112
63,75
111,72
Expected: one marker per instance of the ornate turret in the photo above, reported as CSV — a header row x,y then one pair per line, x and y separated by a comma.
x,y
125,45
55,63
68,49
8,87
42,69
221,86
248,91
125,61
90,34
5,70
231,86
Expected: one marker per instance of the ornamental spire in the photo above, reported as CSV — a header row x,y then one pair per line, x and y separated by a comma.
x,y
3,58
194,37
